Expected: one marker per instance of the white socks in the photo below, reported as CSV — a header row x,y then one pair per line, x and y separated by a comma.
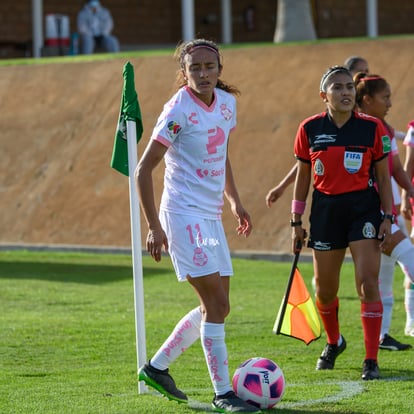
x,y
403,252
385,279
185,333
215,352
409,304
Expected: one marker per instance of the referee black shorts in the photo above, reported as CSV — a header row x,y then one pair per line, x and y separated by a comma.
x,y
336,220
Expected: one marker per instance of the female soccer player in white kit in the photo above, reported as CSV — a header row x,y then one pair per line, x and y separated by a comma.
x,y
192,135
407,207
373,96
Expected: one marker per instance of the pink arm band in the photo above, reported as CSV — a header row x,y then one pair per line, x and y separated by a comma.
x,y
298,207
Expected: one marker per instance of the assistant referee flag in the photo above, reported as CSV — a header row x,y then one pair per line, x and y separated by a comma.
x,y
129,111
297,316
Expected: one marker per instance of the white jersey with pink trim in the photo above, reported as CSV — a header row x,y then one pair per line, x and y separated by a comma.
x,y
196,136
409,137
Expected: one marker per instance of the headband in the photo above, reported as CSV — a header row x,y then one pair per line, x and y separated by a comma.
x,y
370,78
327,75
192,49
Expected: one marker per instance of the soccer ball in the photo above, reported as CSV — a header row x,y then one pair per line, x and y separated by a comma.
x,y
260,382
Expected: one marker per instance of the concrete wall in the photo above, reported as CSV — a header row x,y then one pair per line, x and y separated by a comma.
x,y
158,22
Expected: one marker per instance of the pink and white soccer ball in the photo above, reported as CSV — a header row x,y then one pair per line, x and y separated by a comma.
x,y
260,382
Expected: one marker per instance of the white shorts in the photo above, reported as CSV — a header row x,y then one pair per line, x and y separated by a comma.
x,y
197,246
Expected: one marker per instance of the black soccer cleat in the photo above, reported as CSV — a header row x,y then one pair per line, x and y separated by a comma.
x,y
391,344
329,355
370,370
231,403
162,382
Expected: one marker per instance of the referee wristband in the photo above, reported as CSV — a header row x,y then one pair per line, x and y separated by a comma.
x,y
298,207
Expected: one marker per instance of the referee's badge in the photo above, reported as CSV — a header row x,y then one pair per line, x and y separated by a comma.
x,y
319,167
369,231
352,161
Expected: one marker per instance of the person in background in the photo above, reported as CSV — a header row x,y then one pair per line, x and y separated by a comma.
x,y
95,25
373,97
192,136
407,208
356,64
341,151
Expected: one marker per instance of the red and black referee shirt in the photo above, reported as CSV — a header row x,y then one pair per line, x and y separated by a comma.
x,y
341,158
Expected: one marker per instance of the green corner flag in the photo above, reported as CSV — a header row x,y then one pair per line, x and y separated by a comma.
x,y
129,111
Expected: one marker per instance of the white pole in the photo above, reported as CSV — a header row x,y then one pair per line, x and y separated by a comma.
x,y
226,21
187,19
37,27
372,18
136,253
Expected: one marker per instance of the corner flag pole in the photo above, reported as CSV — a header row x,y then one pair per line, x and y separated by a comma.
x,y
136,253
124,160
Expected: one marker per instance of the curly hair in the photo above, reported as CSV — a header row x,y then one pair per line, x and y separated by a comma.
x,y
186,48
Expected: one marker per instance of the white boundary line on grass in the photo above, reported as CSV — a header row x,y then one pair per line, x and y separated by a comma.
x,y
348,389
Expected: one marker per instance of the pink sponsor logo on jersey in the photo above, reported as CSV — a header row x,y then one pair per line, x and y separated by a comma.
x,y
192,119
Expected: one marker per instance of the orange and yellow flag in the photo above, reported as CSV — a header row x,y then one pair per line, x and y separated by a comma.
x,y
297,315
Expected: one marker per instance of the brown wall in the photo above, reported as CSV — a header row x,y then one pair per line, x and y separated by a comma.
x,y
158,22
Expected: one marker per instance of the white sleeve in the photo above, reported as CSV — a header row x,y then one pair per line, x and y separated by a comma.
x,y
409,137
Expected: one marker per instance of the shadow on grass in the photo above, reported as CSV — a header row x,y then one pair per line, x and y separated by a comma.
x,y
73,273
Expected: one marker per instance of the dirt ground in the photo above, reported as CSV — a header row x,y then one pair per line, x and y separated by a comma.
x,y
58,123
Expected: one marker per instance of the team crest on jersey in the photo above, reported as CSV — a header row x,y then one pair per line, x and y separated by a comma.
x,y
226,112
386,144
173,129
319,168
199,258
368,231
352,161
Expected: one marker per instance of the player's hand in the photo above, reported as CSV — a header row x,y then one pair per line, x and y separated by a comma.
x,y
299,236
273,195
244,221
156,240
385,235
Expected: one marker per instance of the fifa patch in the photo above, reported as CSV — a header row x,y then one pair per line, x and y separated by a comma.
x,y
352,161
173,129
386,144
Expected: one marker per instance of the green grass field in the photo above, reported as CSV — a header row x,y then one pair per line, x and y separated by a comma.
x,y
68,339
